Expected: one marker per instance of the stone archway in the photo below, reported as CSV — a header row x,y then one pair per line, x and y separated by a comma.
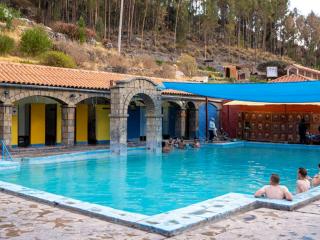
x,y
121,96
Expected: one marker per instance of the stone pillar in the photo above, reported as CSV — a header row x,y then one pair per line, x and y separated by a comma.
x,y
193,123
6,123
154,132
68,125
118,133
218,119
181,123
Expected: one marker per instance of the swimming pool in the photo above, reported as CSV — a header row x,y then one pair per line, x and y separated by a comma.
x,y
146,183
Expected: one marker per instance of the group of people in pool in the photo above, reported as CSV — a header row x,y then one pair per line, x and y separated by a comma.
x,y
277,191
168,146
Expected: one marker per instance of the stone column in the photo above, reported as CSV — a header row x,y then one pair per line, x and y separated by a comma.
x,y
68,124
118,133
193,122
181,123
154,132
6,123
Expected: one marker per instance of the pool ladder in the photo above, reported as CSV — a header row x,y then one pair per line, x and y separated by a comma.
x,y
5,153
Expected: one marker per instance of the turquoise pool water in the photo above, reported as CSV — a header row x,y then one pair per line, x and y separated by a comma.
x,y
149,184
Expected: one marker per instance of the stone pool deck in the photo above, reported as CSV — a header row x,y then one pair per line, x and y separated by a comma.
x,y
24,219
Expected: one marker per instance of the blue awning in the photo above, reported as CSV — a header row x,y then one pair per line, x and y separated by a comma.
x,y
293,92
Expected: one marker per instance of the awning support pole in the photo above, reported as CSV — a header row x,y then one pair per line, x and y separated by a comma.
x,y
207,119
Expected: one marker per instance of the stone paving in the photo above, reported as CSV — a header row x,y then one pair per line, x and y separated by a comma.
x,y
23,219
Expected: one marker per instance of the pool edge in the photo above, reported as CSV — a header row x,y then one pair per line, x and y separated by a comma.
x,y
169,223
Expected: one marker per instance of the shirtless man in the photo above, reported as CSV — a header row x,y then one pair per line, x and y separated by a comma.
x,y
316,178
181,144
303,184
196,143
274,190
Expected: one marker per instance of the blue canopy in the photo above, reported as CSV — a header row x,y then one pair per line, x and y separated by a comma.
x,y
293,92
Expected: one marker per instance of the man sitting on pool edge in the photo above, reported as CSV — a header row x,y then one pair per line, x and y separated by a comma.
x,y
274,190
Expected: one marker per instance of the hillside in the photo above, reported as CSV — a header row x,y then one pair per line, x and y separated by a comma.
x,y
148,53
151,60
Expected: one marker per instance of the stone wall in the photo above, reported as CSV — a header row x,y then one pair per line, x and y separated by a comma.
x,y
121,96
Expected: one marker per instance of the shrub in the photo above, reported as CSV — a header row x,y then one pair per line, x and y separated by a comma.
x,y
69,29
166,71
118,60
57,59
6,44
72,30
148,62
187,65
73,49
7,15
35,41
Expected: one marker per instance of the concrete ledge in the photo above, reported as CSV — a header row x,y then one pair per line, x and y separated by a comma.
x,y
170,223
299,200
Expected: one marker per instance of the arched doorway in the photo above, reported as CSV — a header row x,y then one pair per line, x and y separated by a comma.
x,y
92,123
170,124
212,113
122,94
191,121
136,124
36,121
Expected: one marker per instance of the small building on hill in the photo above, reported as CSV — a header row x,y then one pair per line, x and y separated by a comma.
x,y
237,72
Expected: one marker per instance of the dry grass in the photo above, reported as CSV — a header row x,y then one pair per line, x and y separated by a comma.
x,y
166,71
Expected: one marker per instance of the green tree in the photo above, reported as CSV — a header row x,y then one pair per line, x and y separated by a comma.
x,y
82,30
35,41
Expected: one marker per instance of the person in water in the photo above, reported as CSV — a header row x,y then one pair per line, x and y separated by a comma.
x,y
171,143
316,178
181,144
166,147
196,143
303,184
274,190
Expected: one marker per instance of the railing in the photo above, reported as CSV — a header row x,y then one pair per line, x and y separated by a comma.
x,y
5,154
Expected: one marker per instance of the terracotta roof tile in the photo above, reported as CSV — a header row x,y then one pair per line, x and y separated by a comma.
x,y
17,73
60,77
300,67
291,78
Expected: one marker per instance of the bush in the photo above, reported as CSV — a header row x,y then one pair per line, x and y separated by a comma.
x,y
35,41
73,49
72,30
187,65
7,15
118,61
6,44
69,29
166,71
57,59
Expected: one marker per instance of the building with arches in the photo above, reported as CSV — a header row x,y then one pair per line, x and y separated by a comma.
x,y
48,106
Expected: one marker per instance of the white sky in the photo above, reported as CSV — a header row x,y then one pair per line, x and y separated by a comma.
x,y
306,6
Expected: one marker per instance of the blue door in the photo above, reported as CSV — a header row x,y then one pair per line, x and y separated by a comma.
x,y
134,124
212,112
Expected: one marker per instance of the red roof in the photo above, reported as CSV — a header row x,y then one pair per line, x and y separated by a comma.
x,y
291,78
300,67
30,74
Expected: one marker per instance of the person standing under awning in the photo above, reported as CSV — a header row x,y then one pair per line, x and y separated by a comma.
x,y
212,129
